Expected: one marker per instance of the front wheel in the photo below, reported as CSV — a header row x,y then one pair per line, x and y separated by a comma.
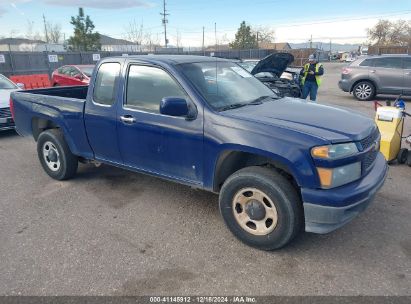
x,y
55,155
261,208
364,91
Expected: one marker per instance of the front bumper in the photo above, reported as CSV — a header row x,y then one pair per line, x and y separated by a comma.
x,y
344,85
6,121
328,210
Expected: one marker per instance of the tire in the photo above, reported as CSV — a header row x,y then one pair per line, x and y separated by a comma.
x,y
281,203
55,155
364,90
402,156
409,159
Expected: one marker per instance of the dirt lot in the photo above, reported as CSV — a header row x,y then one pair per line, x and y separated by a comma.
x,y
111,232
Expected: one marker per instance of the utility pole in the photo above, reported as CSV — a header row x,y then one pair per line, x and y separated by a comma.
x,y
45,29
203,40
165,21
215,35
311,42
257,42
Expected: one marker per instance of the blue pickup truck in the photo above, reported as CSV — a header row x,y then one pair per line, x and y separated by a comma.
x,y
280,165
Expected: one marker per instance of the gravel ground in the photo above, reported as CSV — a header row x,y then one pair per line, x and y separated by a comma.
x,y
112,232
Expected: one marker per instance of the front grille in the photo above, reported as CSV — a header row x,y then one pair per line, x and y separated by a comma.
x,y
370,140
5,113
369,159
366,144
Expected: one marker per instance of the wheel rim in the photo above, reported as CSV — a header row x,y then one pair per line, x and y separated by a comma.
x,y
254,211
51,156
363,91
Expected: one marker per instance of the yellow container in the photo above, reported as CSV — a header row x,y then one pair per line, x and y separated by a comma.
x,y
390,122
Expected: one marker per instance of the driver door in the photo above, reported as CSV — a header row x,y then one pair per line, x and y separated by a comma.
x,y
149,141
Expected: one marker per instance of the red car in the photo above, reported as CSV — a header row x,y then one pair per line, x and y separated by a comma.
x,y
72,75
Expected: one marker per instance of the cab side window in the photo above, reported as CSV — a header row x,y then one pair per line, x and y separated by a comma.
x,y
388,63
106,83
147,86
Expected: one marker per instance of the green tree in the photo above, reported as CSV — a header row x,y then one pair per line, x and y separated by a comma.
x,y
84,38
244,38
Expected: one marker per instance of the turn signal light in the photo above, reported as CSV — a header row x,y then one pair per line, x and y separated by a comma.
x,y
320,152
326,177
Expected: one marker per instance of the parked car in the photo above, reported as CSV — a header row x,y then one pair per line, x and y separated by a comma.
x,y
372,75
72,75
278,164
6,87
274,72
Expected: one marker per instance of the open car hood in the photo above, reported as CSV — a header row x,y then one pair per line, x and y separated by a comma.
x,y
275,63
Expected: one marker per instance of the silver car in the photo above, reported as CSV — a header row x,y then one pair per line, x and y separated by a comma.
x,y
6,87
371,75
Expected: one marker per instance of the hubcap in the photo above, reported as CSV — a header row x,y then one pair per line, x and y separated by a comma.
x,y
363,91
254,211
51,156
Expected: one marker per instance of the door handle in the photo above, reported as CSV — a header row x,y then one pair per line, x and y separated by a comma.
x,y
372,71
127,119
408,73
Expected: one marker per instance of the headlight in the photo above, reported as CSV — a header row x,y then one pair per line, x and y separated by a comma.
x,y
335,177
334,151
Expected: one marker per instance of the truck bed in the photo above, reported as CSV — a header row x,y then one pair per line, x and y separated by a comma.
x,y
62,105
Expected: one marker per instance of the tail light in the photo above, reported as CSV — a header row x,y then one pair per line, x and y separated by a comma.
x,y
11,108
346,71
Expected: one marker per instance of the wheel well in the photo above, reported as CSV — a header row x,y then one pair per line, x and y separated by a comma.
x,y
363,80
40,124
232,161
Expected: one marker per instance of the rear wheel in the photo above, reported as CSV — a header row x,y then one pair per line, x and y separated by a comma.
x,y
409,159
402,156
364,90
55,155
261,208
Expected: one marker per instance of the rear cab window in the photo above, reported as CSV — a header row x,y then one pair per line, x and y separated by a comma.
x,y
106,83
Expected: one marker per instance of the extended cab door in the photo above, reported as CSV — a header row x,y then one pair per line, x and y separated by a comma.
x,y
100,114
149,141
387,74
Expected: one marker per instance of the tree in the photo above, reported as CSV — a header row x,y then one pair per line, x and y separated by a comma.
x,y
84,38
244,38
135,33
265,34
53,32
399,33
386,32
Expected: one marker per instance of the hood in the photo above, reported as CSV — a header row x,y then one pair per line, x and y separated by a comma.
x,y
275,63
329,123
5,97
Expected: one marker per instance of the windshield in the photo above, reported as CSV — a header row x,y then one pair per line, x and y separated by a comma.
x,y
87,70
6,84
225,84
248,65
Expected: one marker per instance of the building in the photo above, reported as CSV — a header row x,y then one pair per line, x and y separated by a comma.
x,y
110,44
28,45
280,46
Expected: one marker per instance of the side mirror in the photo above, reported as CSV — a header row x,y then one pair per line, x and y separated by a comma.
x,y
20,85
178,107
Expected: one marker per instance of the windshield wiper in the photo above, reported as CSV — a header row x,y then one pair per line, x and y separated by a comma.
x,y
260,99
254,102
231,106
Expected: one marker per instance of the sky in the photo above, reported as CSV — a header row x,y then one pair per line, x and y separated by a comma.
x,y
293,21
